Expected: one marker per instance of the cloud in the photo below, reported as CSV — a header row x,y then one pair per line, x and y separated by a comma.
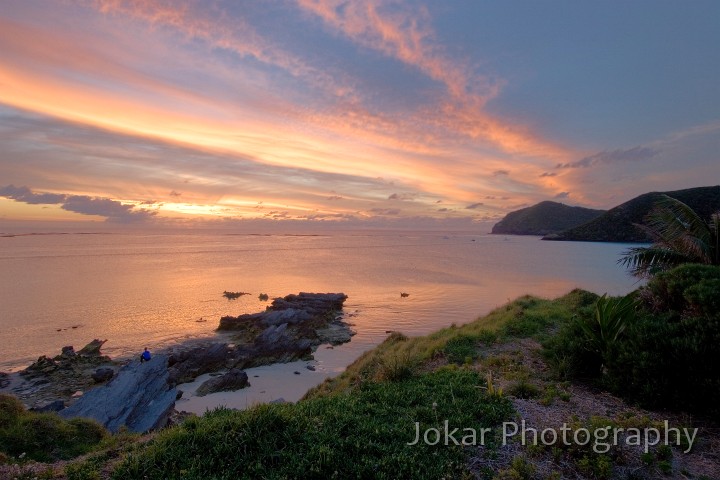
x,y
443,209
112,210
548,174
498,173
173,193
406,34
634,154
385,211
474,206
401,196
334,197
25,195
229,32
562,195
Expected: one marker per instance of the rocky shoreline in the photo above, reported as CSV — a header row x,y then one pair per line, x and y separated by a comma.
x,y
141,396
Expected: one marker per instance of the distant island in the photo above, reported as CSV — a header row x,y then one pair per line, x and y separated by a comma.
x,y
620,224
545,218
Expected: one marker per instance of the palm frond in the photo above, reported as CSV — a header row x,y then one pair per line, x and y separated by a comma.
x,y
647,261
678,226
679,236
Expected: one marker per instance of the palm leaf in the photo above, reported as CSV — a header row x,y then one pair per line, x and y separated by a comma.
x,y
646,261
679,236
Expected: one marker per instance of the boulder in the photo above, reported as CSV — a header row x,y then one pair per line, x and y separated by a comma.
x,y
188,364
335,334
102,374
4,379
235,379
138,398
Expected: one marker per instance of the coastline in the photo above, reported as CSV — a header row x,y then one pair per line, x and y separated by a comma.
x,y
282,339
493,367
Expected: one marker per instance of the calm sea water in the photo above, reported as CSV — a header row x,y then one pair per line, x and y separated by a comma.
x,y
151,290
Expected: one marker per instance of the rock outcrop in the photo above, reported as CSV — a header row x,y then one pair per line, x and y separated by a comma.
x,y
289,329
292,309
58,378
235,379
92,349
139,398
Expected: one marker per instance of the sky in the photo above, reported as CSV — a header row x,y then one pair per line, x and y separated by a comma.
x,y
363,114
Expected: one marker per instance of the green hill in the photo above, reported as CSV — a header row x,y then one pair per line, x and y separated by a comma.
x,y
544,218
619,224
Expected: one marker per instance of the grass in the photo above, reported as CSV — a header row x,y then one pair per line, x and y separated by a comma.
x,y
44,436
358,435
525,317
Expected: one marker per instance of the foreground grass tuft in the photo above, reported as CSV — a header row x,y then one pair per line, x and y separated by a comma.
x,y
44,436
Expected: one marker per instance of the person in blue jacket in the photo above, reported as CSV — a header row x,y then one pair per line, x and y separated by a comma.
x,y
145,356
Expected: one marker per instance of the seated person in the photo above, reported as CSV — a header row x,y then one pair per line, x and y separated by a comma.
x,y
145,356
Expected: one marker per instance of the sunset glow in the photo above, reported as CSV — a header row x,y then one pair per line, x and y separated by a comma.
x,y
158,112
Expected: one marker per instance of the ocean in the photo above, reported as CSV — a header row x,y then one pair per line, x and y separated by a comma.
x,y
154,291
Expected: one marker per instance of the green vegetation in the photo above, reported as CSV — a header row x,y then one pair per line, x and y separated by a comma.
x,y
544,218
363,435
619,224
680,236
668,350
612,316
44,436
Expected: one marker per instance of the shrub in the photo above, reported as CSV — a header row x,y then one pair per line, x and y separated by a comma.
x,y
669,361
568,353
690,288
583,346
611,319
669,358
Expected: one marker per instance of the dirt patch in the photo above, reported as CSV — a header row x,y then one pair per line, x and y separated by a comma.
x,y
518,369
